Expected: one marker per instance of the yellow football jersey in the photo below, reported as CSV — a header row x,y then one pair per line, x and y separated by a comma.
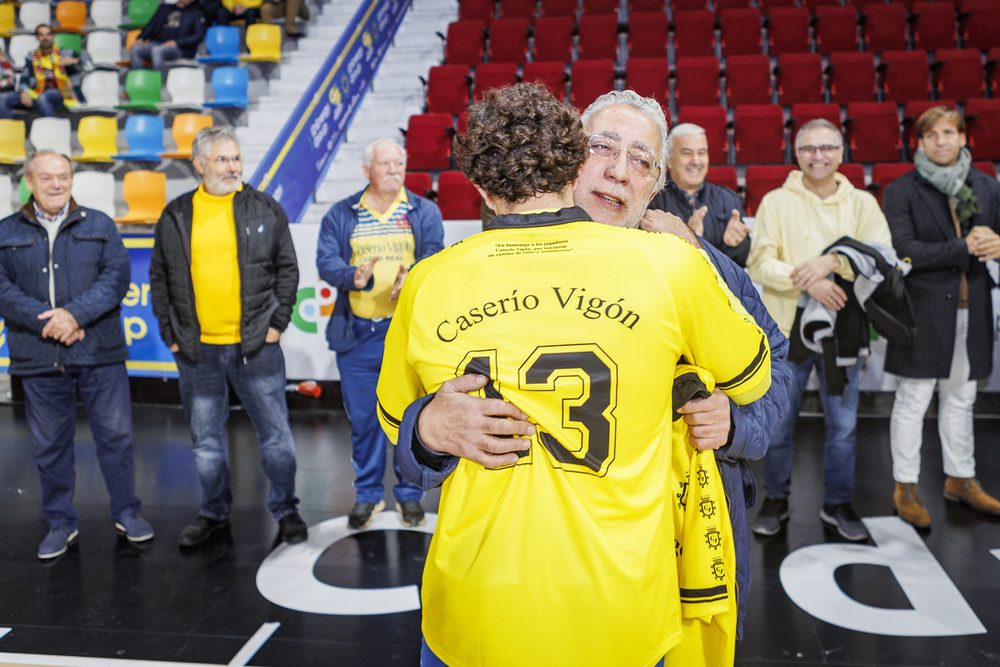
x,y
705,549
566,557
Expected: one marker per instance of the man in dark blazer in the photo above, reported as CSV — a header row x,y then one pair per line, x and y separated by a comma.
x,y
944,217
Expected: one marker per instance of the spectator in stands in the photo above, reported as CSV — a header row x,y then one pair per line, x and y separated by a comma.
x,y
271,12
367,244
6,72
944,217
63,274
455,424
815,207
45,80
712,211
175,31
232,10
224,278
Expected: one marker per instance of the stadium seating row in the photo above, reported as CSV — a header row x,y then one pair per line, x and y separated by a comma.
x,y
877,27
797,78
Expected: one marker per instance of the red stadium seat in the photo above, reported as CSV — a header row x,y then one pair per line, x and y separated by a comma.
x,y
589,79
465,44
696,81
803,113
688,5
559,8
476,10
799,78
873,132
554,38
852,78
510,9
911,112
419,182
457,197
694,33
814,5
748,80
987,168
725,175
598,37
979,21
788,30
723,5
884,26
933,25
836,29
905,76
646,6
493,75
550,74
958,74
428,141
983,119
759,133
650,77
714,120
761,179
648,34
855,173
740,32
509,41
599,7
885,173
448,89
767,5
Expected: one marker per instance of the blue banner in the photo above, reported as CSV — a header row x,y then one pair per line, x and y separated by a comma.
x,y
298,159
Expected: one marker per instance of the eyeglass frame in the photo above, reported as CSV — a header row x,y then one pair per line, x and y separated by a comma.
x,y
628,153
825,149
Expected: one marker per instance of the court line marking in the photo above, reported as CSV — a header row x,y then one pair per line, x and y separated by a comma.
x,y
240,660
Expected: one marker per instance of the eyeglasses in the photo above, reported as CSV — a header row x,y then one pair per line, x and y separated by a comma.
x,y
825,149
639,160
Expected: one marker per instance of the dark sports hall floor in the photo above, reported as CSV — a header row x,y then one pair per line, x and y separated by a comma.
x,y
108,603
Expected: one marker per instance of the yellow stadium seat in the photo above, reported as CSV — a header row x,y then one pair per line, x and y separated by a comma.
x,y
99,137
145,194
8,24
12,135
264,42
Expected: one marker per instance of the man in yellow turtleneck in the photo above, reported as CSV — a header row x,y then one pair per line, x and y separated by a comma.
x,y
224,277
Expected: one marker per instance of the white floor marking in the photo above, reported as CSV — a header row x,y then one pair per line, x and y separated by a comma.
x,y
253,645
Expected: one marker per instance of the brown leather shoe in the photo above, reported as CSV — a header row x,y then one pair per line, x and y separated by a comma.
x,y
908,505
968,491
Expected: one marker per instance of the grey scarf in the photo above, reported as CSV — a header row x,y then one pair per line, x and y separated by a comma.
x,y
950,180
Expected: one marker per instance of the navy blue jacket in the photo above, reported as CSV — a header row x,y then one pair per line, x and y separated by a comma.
x,y
188,29
92,274
720,201
333,256
750,434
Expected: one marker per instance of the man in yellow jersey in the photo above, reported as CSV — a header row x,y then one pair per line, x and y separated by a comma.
x,y
367,244
223,277
455,424
45,83
575,539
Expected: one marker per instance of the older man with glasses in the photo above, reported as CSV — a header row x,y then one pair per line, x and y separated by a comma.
x,y
795,224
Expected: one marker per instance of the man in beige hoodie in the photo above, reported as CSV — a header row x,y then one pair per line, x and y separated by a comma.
x,y
815,207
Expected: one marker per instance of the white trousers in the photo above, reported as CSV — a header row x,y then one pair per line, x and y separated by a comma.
x,y
956,394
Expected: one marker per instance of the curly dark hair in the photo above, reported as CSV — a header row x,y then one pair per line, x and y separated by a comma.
x,y
521,141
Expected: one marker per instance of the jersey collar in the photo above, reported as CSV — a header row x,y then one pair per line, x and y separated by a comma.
x,y
545,219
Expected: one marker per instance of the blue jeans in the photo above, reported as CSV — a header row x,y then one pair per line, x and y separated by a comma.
x,y
156,53
840,418
50,407
259,381
429,659
359,370
47,103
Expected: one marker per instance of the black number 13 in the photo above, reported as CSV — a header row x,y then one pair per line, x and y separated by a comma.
x,y
585,379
